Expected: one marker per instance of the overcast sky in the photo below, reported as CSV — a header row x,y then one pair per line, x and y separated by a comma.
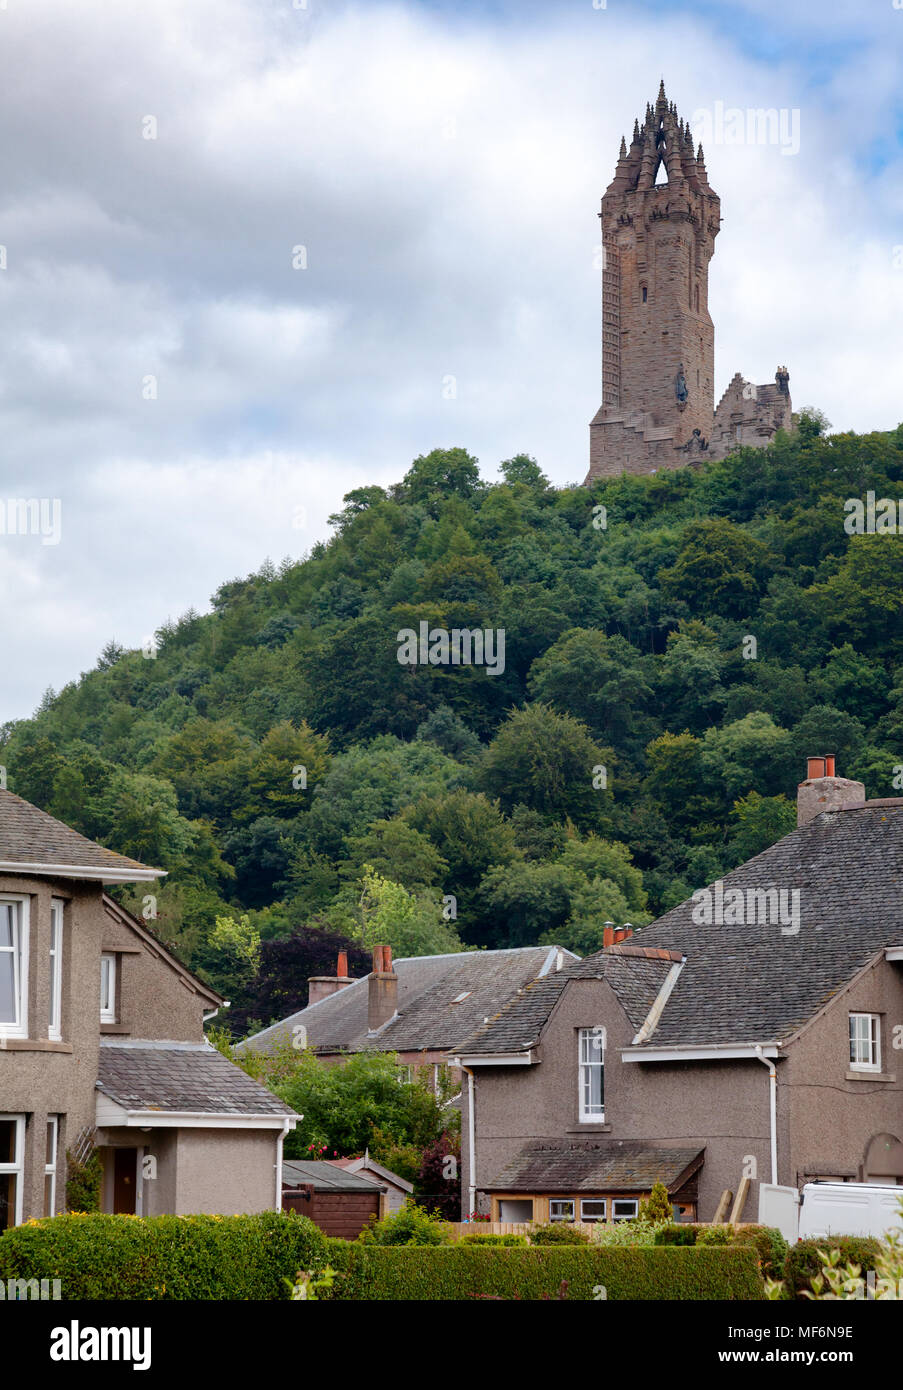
x,y
198,400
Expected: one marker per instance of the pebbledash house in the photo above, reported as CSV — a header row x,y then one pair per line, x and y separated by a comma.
x,y
751,1035
102,1047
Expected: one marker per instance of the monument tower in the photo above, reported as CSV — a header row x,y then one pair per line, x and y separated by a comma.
x,y
660,217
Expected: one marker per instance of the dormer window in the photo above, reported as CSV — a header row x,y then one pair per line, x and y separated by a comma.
x,y
108,974
13,967
865,1042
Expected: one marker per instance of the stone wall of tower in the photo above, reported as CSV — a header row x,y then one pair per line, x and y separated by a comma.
x,y
658,239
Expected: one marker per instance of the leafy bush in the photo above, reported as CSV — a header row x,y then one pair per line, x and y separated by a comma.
x,y
487,1238
411,1225
657,1206
715,1235
802,1263
165,1257
771,1246
625,1233
460,1271
677,1233
558,1233
83,1181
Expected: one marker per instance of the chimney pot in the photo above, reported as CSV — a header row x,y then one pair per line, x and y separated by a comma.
x,y
829,765
815,767
341,969
608,936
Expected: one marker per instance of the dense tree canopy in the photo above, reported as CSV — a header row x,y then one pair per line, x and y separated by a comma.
x,y
665,676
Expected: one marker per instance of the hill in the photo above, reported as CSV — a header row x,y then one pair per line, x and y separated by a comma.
x,y
674,647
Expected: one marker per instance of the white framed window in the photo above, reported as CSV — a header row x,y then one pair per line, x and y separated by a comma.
x,y
592,1074
12,1149
561,1209
54,1027
108,988
593,1208
53,1135
624,1208
865,1042
14,966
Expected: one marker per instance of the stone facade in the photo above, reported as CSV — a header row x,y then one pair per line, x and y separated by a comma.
x,y
658,339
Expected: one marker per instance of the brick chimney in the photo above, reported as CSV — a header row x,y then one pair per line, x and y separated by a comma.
x,y
824,791
382,999
320,986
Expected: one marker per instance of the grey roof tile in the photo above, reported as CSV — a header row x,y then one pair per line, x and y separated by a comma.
x,y
324,1176
181,1078
636,979
427,1017
605,1165
29,836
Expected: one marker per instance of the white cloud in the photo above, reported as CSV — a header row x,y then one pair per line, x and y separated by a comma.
x,y
444,174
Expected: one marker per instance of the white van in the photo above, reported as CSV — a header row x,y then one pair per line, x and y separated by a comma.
x,y
848,1209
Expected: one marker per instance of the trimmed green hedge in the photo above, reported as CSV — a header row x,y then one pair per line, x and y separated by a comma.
x,y
488,1238
165,1257
456,1272
802,1262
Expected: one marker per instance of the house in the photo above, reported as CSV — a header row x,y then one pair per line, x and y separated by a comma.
x,y
395,1188
339,1202
418,1007
749,1036
102,1046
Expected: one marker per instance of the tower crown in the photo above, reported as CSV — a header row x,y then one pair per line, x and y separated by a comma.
x,y
661,152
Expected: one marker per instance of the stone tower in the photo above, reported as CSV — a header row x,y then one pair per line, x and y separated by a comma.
x,y
660,218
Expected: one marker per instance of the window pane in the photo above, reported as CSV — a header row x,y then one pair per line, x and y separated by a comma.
x,y
592,1209
8,1189
8,1013
50,1158
7,924
7,1141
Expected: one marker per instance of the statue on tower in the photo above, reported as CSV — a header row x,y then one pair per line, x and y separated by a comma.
x,y
680,386
782,377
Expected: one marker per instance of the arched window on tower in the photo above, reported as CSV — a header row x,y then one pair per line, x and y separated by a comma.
x,y
697,299
645,294
690,277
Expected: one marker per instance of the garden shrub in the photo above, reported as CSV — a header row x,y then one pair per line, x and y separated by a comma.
x,y
715,1235
558,1233
487,1238
83,1179
771,1246
677,1233
656,1208
457,1272
411,1225
802,1262
635,1232
98,1256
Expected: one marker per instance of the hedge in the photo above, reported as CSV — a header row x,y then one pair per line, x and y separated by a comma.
x,y
457,1272
165,1257
802,1262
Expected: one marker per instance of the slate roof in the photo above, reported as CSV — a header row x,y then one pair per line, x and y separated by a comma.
x,y
181,1077
605,1165
754,983
33,841
635,974
376,1171
427,1018
742,985
324,1176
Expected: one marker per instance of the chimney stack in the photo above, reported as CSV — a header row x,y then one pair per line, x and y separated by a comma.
x,y
382,985
320,986
823,790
